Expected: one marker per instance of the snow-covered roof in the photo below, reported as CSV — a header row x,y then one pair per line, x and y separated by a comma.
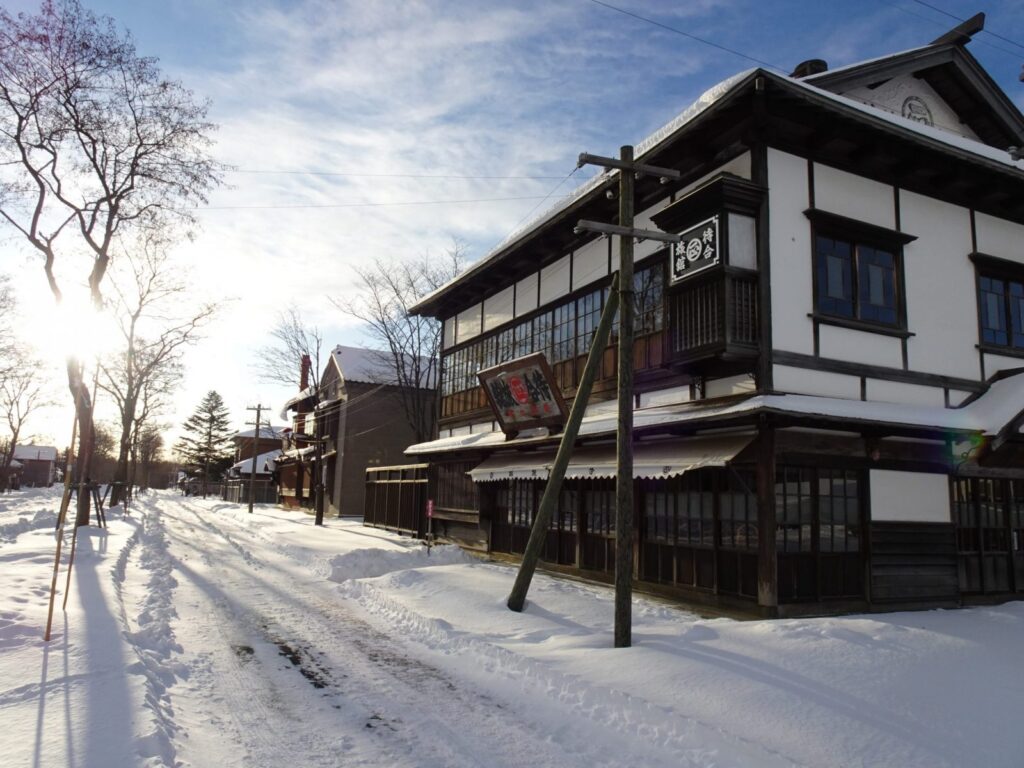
x,y
709,98
987,414
264,464
718,94
269,433
371,366
35,452
293,401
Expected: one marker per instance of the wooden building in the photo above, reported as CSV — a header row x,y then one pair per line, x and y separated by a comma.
x,y
828,391
38,465
357,414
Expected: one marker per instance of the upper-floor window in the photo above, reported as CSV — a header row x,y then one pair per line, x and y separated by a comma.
x,y
856,281
562,332
858,272
1001,307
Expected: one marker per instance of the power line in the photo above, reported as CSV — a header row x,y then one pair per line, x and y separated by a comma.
x,y
367,205
392,175
957,18
689,35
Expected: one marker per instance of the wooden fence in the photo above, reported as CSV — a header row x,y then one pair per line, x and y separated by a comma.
x,y
237,491
396,498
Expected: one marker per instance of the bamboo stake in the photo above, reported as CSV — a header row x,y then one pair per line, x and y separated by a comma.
x,y
71,562
61,517
549,501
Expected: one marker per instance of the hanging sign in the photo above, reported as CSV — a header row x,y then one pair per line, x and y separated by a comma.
x,y
523,394
697,250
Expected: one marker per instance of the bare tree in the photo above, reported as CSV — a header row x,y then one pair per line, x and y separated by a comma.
x,y
281,361
148,444
409,345
95,142
153,335
23,392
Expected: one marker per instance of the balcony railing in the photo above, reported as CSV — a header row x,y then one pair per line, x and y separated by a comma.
x,y
715,316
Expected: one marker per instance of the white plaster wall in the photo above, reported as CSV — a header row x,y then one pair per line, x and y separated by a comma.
x,y
912,497
942,308
891,95
590,262
732,385
742,241
900,392
554,280
449,332
526,294
860,346
998,237
996,363
822,383
790,241
498,309
669,396
469,324
854,196
956,397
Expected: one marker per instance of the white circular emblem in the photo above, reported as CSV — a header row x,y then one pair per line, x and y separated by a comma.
x,y
915,108
693,249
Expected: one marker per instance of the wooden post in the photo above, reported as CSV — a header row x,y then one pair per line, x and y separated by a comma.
x,y
767,556
549,501
61,517
624,440
255,451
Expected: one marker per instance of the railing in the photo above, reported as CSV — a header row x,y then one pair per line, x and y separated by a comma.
x,y
712,317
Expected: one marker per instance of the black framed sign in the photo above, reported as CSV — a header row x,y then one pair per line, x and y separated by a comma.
x,y
697,250
523,394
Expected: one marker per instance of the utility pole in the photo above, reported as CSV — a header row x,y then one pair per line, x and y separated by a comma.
x,y
255,451
318,493
628,170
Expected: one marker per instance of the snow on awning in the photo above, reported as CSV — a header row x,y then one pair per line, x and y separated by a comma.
x,y
650,460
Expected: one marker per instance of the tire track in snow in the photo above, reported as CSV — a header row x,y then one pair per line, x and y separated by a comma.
x,y
424,715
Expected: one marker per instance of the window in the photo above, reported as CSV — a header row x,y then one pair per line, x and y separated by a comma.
x,y
858,272
856,281
1001,306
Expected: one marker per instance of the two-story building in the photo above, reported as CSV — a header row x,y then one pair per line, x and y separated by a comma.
x,y
828,390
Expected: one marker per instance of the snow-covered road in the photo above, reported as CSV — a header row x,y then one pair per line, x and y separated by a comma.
x,y
292,675
199,635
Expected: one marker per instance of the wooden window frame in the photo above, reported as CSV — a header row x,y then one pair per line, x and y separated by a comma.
x,y
859,235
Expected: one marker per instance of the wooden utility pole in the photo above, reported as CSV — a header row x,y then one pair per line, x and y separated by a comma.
x,y
628,169
255,451
318,488
549,501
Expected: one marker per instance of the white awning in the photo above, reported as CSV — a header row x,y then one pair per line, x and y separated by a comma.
x,y
650,460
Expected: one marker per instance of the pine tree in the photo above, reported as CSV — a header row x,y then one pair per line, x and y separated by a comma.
x,y
206,443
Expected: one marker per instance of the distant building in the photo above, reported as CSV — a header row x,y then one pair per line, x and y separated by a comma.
x,y
269,440
359,415
39,465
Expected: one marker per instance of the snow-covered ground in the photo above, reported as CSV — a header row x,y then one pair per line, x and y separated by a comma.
x,y
199,635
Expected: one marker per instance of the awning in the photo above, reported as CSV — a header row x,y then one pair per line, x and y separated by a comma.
x,y
650,460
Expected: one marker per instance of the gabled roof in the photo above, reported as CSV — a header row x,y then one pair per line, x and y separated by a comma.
x,y
35,452
266,433
1005,120
953,73
371,366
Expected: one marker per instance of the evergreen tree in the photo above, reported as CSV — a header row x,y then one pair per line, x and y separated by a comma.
x,y
206,443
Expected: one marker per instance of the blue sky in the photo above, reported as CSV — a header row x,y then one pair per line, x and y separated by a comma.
x,y
456,88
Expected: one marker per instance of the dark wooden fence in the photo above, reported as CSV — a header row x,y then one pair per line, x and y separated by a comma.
x,y
237,491
396,498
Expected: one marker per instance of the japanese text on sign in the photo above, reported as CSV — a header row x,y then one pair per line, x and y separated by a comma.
x,y
697,249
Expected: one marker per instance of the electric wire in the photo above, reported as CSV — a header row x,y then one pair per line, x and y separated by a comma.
x,y
471,177
689,35
957,18
367,204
